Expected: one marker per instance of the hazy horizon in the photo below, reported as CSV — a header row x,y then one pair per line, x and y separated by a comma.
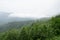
x,y
29,8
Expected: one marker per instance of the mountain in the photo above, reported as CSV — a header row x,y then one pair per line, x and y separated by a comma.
x,y
4,18
7,23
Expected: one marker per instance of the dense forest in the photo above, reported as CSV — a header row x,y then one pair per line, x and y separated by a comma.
x,y
38,30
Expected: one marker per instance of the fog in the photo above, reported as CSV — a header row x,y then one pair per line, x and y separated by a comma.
x,y
29,8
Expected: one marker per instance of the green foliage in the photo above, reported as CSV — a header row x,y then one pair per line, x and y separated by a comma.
x,y
56,25
10,35
24,35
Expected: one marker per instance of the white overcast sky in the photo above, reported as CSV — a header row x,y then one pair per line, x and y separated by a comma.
x,y
30,8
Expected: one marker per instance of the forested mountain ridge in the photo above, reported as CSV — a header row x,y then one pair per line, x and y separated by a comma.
x,y
49,30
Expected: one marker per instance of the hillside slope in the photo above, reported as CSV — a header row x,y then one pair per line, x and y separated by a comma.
x,y
12,25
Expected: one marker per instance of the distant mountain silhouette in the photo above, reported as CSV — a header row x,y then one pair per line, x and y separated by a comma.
x,y
4,18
